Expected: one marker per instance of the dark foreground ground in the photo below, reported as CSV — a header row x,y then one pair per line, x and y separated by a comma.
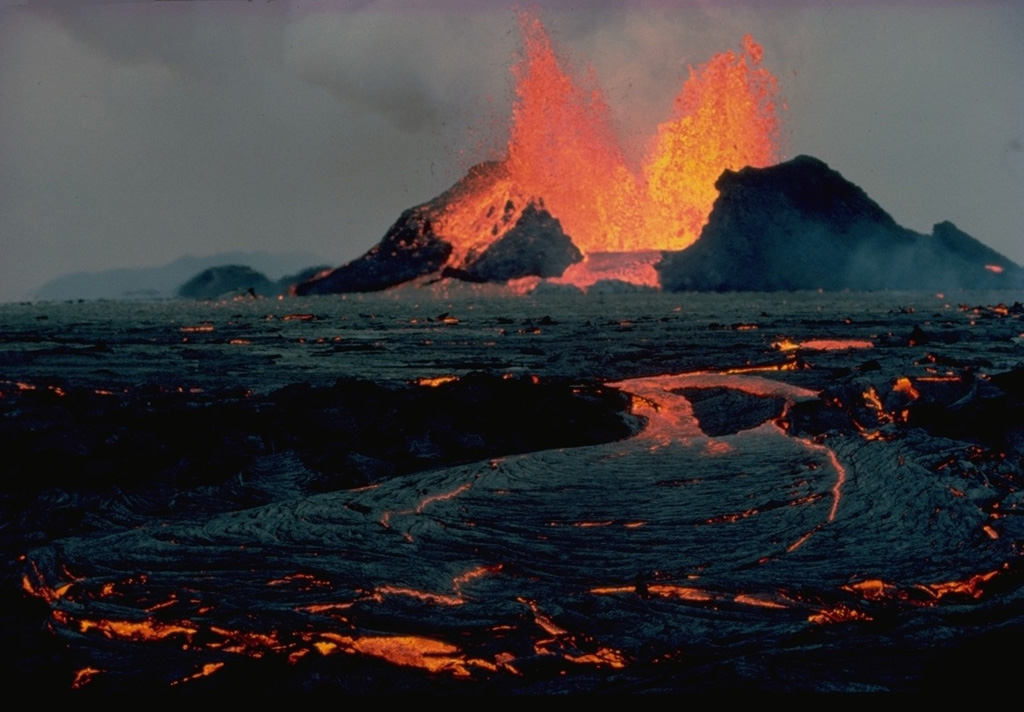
x,y
465,494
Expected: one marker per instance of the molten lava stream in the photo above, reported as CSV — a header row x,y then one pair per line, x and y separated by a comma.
x,y
670,418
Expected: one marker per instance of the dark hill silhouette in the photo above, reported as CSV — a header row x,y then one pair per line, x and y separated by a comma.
x,y
801,225
227,279
162,282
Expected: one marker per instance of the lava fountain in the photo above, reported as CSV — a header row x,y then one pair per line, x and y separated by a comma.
x,y
563,154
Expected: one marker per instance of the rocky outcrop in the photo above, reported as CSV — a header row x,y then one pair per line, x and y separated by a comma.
x,y
531,243
410,249
801,225
235,280
227,279
534,247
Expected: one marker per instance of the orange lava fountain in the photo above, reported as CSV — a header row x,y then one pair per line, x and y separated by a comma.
x,y
563,154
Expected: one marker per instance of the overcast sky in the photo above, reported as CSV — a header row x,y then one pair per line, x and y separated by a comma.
x,y
134,133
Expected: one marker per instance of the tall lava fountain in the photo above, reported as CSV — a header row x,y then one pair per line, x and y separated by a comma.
x,y
562,153
563,203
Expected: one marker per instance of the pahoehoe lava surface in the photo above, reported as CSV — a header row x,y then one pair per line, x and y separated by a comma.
x,y
816,493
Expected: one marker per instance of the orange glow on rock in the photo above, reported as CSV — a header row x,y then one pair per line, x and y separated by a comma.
x,y
610,590
749,600
686,593
603,656
971,587
207,670
136,630
41,590
462,579
635,267
542,620
801,541
324,607
435,598
904,386
874,402
426,501
407,651
872,589
717,447
824,344
787,366
995,269
303,580
837,488
839,614
84,676
435,381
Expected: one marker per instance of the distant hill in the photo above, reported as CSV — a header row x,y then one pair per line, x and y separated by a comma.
x,y
163,282
236,280
227,279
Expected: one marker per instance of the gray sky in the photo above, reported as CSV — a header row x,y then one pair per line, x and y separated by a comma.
x,y
134,133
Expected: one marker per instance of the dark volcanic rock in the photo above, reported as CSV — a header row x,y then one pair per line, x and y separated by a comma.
x,y
535,246
410,249
232,280
725,411
348,435
532,244
801,225
287,284
218,281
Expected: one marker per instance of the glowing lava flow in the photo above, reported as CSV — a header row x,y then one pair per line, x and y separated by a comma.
x,y
563,155
670,418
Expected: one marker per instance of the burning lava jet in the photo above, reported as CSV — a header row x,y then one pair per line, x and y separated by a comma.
x,y
565,191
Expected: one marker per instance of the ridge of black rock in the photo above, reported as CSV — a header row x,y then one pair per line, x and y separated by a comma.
x,y
801,225
410,249
535,246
